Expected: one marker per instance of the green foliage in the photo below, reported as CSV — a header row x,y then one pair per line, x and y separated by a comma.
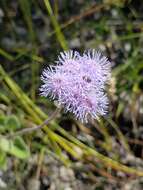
x,y
9,123
15,147
12,123
3,160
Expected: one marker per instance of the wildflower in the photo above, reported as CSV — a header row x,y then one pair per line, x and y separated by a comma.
x,y
78,82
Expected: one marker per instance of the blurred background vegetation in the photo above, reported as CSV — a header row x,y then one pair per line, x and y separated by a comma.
x,y
66,154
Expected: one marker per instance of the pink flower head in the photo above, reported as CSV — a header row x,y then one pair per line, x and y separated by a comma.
x,y
77,82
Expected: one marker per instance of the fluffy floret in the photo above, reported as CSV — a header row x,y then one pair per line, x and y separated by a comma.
x,y
77,82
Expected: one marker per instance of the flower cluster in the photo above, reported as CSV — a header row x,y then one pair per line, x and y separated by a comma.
x,y
78,82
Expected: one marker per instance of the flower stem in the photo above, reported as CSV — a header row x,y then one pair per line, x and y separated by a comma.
x,y
31,129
